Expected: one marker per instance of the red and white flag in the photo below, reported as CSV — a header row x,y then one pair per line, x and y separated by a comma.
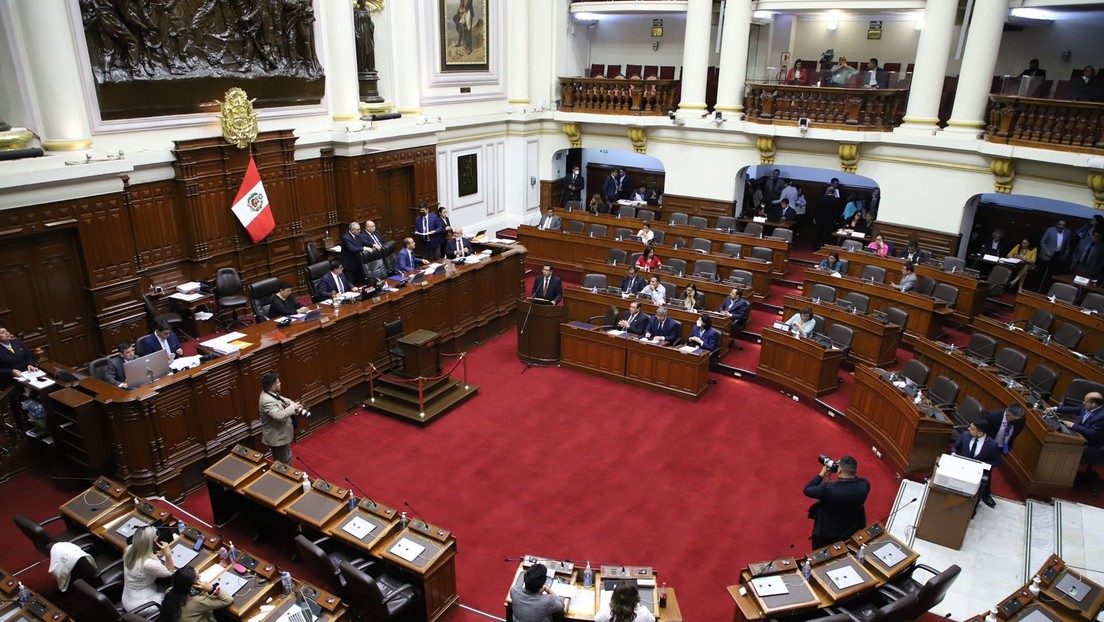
x,y
251,207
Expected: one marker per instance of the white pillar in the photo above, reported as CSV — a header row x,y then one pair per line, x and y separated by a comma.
x,y
734,45
979,60
922,113
53,75
695,54
342,88
408,75
517,48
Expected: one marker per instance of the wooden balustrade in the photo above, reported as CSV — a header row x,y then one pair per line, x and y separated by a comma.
x,y
1046,123
632,96
828,107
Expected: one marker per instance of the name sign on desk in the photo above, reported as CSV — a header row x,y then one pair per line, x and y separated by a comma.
x,y
769,586
890,554
844,577
358,527
407,549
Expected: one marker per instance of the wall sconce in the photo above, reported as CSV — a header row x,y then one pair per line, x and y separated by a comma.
x,y
532,180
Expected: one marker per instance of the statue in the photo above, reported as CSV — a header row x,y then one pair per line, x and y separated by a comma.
x,y
365,31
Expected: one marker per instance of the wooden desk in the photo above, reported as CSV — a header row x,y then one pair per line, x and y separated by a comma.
x,y
1054,575
912,440
586,602
1033,608
571,250
802,365
434,569
875,341
1042,462
715,292
96,504
945,516
1092,325
899,555
925,313
37,610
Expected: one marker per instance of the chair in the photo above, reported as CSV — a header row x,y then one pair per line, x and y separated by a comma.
x,y
260,297
645,214
617,256
726,223
1093,301
633,71
701,245
98,368
42,540
754,228
1063,291
894,611
313,273
944,392
596,230
842,337
997,283
899,317
392,332
874,274
1076,391
929,594
825,293
572,206
783,233
97,605
706,269
378,597
592,280
678,218
967,411
1068,336
954,264
946,293
678,266
1042,381
153,317
575,226
853,246
612,71
597,71
602,207
634,257
651,71
1041,319
658,237
373,262
698,222
313,254
916,371
732,249
742,277
763,253
678,243
626,211
623,233
981,348
818,324
861,302
608,319
228,293
322,563
925,286
1011,362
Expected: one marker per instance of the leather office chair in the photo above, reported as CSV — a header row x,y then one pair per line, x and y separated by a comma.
x,y
678,243
575,226
378,598
997,283
895,611
593,280
1093,301
372,264
1098,356
313,254
842,337
596,230
658,236
740,277
313,273
762,252
1068,335
877,274
899,317
645,214
698,222
573,206
916,371
1042,381
706,269
818,324
607,319
826,293
754,228
260,297
152,316
1041,319
678,218
1076,391
954,264
627,211
925,286
726,223
392,332
783,233
103,604
228,293
621,233
322,563
602,207
633,258
617,256
701,245
946,293
1011,362
42,540
928,594
732,249
944,392
861,302
967,411
1063,291
853,246
98,368
678,266
981,348
834,617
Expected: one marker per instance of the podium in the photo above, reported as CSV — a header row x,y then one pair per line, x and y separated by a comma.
x,y
538,331
945,517
801,365
421,357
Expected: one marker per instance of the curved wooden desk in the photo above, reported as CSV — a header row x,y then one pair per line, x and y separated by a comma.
x,y
875,341
1091,324
925,313
801,365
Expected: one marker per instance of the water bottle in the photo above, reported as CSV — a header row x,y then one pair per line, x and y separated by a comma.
x,y
285,582
1034,587
663,596
862,553
224,556
180,527
992,616
807,569
352,501
25,595
232,553
306,482
403,521
588,576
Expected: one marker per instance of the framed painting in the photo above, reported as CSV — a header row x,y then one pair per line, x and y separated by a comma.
x,y
467,174
464,44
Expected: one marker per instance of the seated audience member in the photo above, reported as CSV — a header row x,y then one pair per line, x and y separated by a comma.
x,y
645,234
191,600
1003,425
633,282
283,304
1088,422
636,321
548,286
977,445
690,297
162,338
144,561
407,261
662,326
798,75
531,601
738,311
1026,252
655,291
789,214
913,254
1087,87
15,358
458,247
1033,70
647,261
879,246
843,74
908,278
640,195
624,606
703,335
802,321
831,262
550,221
114,372
334,283
596,204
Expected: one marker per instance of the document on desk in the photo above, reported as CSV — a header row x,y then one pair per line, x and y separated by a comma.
x,y
184,362
688,349
182,555
615,332
407,549
192,297
37,379
562,588
358,528
769,586
583,602
844,577
990,258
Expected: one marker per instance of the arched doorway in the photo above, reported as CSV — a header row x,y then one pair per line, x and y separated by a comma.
x,y
596,164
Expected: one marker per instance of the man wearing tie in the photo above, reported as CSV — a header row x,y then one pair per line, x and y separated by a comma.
x,y
162,338
1089,422
636,321
550,222
458,247
334,282
976,444
633,282
575,185
662,326
408,261
1003,425
114,372
1088,259
426,229
624,184
15,358
446,232
548,286
352,243
371,238
277,429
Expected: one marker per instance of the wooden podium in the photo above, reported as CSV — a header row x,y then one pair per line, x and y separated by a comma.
x,y
421,358
945,517
538,331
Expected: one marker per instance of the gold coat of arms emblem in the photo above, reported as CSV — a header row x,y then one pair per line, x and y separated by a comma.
x,y
238,120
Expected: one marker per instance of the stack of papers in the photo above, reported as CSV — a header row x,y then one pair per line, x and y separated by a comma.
x,y
225,344
37,379
184,362
187,297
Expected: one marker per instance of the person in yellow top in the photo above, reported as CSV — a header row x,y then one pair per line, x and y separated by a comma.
x,y
1025,251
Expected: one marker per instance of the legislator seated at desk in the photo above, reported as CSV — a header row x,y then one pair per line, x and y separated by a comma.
x,y
703,335
162,338
977,445
802,321
283,305
625,604
737,310
458,247
633,282
1088,422
334,282
655,291
407,261
635,321
548,286
834,263
15,358
908,278
914,255
113,371
664,327
531,601
550,221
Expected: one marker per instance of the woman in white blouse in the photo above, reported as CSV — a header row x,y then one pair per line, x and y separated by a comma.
x,y
142,566
645,234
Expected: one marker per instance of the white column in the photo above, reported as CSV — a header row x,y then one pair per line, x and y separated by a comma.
x,y
342,89
53,75
979,60
734,45
695,54
408,75
922,113
517,51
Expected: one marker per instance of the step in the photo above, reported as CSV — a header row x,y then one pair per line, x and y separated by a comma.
x,y
1080,537
409,393
1041,536
440,405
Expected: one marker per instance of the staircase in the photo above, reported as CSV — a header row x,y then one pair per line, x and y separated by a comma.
x,y
400,397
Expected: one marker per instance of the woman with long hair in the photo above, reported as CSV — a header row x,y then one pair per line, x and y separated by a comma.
x,y
625,606
647,261
1026,252
690,297
142,566
192,600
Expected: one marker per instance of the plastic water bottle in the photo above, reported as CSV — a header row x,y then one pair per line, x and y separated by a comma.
x,y
285,582
306,482
588,576
180,527
1036,582
862,553
403,521
25,595
807,569
663,596
352,501
232,553
224,556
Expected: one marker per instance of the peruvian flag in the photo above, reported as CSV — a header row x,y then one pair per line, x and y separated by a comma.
x,y
251,207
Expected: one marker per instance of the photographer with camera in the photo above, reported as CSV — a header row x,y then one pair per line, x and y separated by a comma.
x,y
840,508
278,416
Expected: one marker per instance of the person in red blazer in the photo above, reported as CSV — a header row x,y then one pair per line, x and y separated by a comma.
x,y
798,75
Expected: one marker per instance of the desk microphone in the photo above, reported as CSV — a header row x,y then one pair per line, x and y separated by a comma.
x,y
419,517
770,565
363,495
316,476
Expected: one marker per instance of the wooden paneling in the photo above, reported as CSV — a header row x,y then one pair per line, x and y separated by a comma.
x,y
939,244
693,206
596,175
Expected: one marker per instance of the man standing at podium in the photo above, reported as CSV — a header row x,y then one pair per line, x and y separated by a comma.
x,y
531,601
840,509
977,445
548,286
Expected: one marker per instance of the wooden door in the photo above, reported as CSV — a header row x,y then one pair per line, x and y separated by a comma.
x,y
42,296
396,202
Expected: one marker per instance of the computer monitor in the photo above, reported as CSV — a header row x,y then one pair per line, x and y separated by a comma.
x,y
146,369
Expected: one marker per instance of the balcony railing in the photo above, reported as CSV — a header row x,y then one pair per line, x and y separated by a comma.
x,y
631,96
826,107
1046,123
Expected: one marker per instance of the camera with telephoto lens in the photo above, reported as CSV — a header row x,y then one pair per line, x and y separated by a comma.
x,y
828,463
302,411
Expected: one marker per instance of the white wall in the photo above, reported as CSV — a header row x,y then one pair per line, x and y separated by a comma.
x,y
619,158
1081,36
897,45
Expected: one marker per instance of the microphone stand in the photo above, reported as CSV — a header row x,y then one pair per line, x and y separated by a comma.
x,y
528,337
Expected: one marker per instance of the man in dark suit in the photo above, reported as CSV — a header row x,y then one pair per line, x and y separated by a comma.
x,y
352,243
633,282
458,247
446,233
874,77
15,358
609,188
1088,259
407,261
1087,87
624,184
334,282
162,338
840,509
1033,70
550,221
663,326
996,245
372,238
575,185
548,286
1088,422
738,311
976,444
114,372
1003,425
636,321
426,229
773,186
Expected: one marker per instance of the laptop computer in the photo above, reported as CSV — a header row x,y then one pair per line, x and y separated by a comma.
x,y
145,369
